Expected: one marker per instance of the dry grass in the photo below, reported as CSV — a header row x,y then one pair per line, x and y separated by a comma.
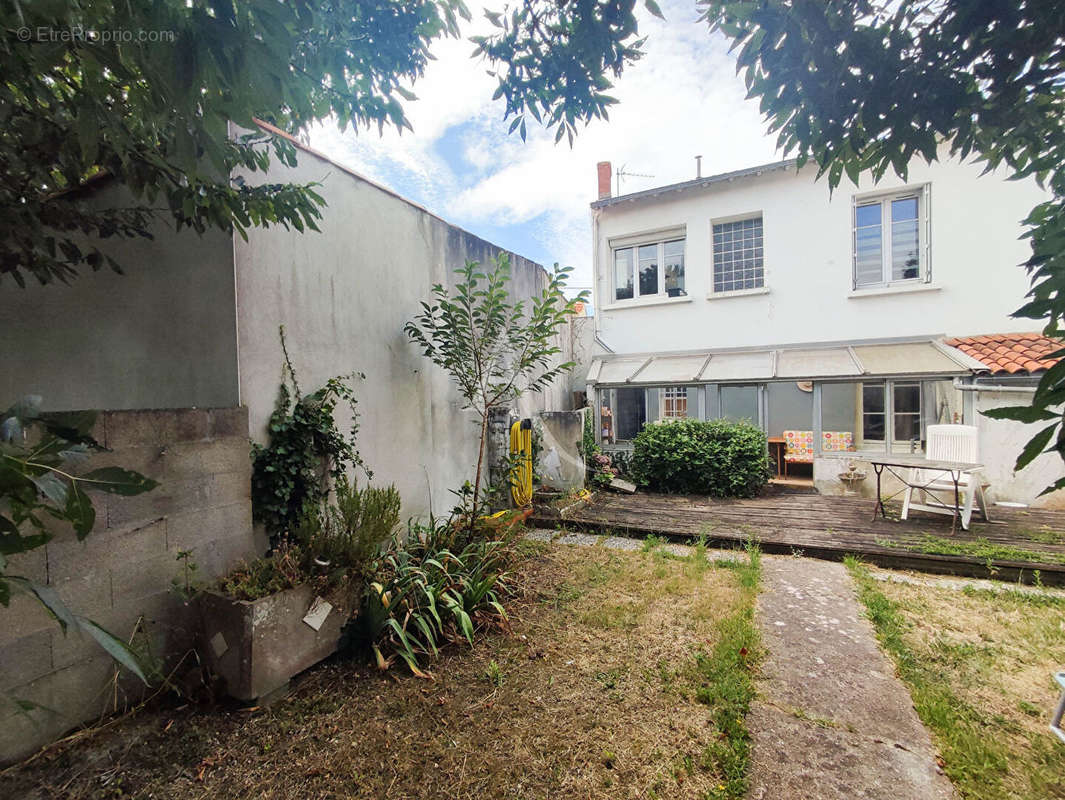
x,y
980,665
591,695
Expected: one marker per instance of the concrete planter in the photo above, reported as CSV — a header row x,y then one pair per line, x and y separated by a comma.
x,y
256,646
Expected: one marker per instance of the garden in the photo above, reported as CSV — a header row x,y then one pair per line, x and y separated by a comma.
x,y
614,674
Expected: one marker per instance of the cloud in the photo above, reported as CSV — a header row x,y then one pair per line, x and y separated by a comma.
x,y
682,99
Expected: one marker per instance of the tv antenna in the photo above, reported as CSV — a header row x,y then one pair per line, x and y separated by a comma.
x,y
621,172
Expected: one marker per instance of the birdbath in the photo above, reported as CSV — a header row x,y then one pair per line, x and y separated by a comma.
x,y
852,478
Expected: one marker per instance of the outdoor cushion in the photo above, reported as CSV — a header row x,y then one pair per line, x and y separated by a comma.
x,y
836,441
799,446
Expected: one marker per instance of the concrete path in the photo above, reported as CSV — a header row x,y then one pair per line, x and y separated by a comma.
x,y
832,720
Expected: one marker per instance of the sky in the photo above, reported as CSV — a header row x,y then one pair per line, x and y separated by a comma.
x,y
682,99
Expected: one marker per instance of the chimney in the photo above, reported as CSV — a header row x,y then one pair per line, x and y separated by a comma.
x,y
603,168
698,166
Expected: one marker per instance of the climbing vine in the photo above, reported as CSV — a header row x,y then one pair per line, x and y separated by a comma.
x,y
306,453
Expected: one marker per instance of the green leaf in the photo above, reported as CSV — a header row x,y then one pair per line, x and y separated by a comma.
x,y
116,480
116,648
80,511
1027,414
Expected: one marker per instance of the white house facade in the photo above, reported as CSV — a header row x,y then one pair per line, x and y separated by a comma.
x,y
823,317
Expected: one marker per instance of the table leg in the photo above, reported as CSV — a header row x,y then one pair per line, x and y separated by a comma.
x,y
878,469
956,476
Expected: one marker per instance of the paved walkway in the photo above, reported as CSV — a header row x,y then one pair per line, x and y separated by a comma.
x,y
832,720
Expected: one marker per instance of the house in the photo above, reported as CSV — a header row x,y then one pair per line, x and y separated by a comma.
x,y
839,322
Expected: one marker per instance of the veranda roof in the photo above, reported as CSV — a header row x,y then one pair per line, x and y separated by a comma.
x,y
914,358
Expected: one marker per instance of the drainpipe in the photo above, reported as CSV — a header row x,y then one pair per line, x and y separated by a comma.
x,y
991,387
595,282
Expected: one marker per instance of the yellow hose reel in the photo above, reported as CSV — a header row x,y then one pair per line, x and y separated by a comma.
x,y
521,471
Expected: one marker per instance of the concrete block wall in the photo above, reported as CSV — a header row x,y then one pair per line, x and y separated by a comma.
x,y
122,572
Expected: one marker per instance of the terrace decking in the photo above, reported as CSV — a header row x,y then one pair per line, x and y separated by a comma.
x,y
833,527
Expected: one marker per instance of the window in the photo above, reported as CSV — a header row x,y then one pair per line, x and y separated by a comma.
x,y
873,412
674,402
907,413
888,239
622,414
649,270
738,255
899,411
740,403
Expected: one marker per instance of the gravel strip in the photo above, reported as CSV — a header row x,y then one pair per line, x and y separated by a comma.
x,y
620,543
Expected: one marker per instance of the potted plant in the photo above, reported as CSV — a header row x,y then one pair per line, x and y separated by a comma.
x,y
276,616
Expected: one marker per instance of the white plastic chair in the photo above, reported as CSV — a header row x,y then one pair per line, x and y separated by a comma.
x,y
960,444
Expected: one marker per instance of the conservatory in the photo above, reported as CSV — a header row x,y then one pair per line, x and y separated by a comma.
x,y
810,401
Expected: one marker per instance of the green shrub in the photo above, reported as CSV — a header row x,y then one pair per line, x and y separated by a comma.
x,y
719,458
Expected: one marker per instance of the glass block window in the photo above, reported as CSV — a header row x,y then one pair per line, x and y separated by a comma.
x,y
738,259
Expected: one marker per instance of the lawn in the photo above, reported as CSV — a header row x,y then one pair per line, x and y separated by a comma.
x,y
623,675
979,665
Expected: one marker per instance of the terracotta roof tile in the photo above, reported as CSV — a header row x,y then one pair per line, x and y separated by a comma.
x,y
1010,353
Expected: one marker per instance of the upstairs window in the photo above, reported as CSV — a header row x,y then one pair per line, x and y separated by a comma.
x,y
654,269
738,255
890,239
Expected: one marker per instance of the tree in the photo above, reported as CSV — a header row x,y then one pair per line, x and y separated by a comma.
x,y
144,93
870,84
493,350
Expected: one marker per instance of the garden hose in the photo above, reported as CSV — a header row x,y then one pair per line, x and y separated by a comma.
x,y
521,470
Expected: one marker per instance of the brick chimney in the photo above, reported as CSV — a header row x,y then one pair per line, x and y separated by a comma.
x,y
605,175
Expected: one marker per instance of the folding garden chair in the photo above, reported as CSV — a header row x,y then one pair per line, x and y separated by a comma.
x,y
952,443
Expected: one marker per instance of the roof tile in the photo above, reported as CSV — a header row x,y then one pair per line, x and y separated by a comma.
x,y
1010,353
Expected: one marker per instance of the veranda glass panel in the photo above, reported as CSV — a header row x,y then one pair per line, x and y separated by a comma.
x,y
852,416
740,403
631,413
789,407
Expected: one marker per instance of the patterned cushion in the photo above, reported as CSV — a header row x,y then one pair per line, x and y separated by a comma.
x,y
836,441
799,446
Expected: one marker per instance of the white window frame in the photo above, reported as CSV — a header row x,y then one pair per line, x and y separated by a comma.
x,y
673,394
923,193
660,240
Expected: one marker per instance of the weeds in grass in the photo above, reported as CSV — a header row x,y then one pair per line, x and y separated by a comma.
x,y
726,684
1043,533
493,673
977,548
976,762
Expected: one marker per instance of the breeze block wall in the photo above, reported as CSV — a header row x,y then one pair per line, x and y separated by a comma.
x,y
122,572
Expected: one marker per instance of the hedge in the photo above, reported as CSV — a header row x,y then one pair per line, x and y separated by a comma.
x,y
689,456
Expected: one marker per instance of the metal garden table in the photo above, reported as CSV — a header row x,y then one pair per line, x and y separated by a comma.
x,y
907,462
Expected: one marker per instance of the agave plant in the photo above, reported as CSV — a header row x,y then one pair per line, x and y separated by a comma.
x,y
426,596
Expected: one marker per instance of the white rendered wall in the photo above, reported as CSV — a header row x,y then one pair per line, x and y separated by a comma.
x,y
975,255
1006,439
344,296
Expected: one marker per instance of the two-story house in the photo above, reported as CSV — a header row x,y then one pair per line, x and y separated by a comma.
x,y
827,318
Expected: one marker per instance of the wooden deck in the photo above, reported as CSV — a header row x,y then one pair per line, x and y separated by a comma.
x,y
832,527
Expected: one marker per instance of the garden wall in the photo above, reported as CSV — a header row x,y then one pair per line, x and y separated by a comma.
x,y
123,571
